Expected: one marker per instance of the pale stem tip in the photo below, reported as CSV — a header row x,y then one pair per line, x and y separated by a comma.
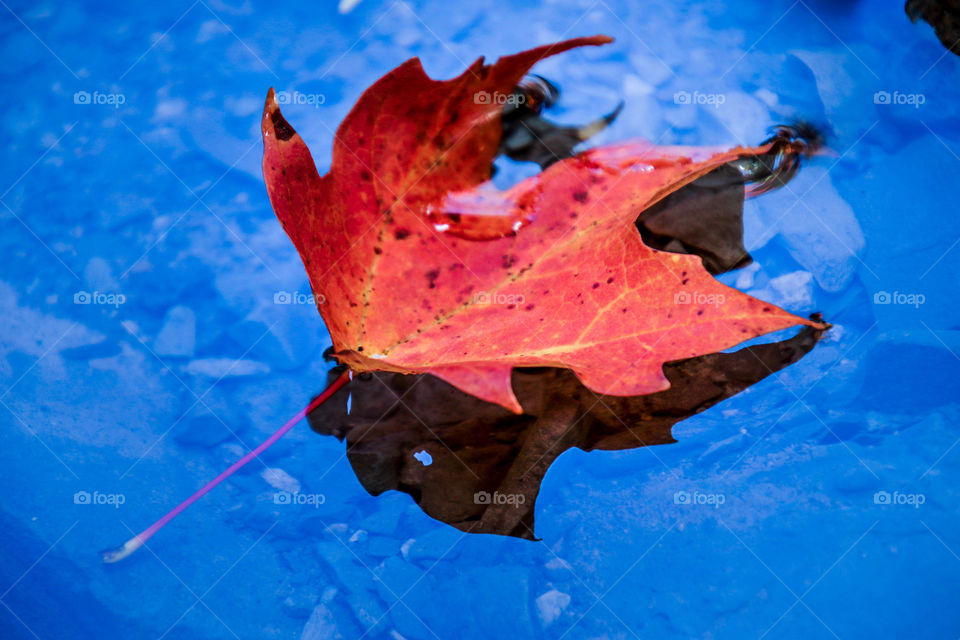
x,y
119,553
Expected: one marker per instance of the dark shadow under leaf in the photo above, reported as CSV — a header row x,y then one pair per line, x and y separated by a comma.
x,y
487,463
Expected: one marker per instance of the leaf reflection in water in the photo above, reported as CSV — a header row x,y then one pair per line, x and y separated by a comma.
x,y
488,463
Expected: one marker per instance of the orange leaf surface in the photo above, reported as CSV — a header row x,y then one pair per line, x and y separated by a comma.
x,y
424,267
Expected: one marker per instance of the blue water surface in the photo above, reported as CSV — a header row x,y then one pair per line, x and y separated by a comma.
x,y
155,326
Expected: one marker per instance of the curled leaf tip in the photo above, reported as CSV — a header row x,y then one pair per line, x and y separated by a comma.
x,y
600,38
270,104
818,323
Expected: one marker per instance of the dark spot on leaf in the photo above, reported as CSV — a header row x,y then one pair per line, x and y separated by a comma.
x,y
580,196
377,250
401,234
596,284
281,128
609,280
365,175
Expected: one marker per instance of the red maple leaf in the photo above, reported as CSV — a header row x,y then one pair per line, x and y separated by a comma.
x,y
423,266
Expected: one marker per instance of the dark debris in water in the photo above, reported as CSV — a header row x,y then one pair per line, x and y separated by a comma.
x,y
529,137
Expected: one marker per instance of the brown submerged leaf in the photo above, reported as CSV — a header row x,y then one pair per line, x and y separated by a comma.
x,y
705,217
478,446
942,15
